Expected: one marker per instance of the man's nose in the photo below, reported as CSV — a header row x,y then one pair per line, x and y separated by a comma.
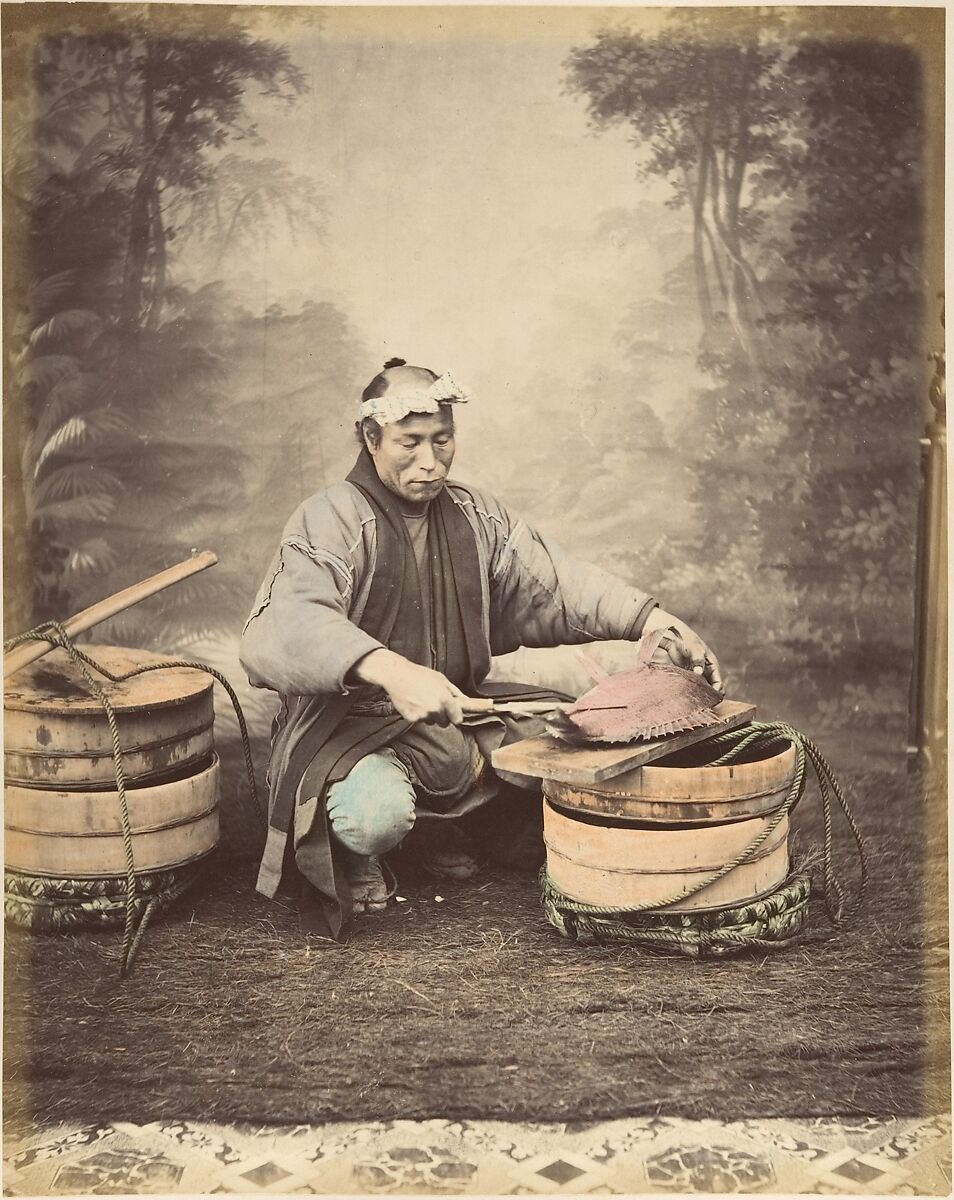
x,y
426,458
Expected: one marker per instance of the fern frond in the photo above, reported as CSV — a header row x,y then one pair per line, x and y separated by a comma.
x,y
64,325
79,430
46,294
76,479
58,133
43,372
65,399
93,555
72,432
93,507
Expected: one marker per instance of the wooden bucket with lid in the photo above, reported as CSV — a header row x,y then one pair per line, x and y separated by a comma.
x,y
62,814
55,730
661,829
628,827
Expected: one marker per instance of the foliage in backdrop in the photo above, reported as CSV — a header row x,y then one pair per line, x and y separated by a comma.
x,y
141,387
781,502
798,163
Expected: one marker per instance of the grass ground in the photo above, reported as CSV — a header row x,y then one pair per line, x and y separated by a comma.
x,y
472,1006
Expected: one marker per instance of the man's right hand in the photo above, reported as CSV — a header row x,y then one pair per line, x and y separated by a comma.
x,y
417,693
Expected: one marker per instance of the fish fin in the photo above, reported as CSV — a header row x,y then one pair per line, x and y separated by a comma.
x,y
649,644
591,666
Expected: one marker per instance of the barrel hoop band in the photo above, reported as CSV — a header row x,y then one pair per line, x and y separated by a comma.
x,y
192,819
763,852
183,862
188,768
128,750
556,794
605,820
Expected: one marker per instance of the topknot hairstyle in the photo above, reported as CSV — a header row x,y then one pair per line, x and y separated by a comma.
x,y
377,387
379,384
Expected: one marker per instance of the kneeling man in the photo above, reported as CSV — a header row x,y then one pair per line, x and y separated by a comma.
x,y
387,598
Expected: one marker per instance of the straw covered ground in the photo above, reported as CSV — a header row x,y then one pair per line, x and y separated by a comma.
x,y
473,1006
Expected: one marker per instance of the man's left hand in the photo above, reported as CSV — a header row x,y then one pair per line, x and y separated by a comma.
x,y
686,649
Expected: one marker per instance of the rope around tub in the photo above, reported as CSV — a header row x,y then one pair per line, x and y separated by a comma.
x,y
765,923
161,888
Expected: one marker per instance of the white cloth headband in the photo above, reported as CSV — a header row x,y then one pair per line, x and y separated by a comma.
x,y
389,408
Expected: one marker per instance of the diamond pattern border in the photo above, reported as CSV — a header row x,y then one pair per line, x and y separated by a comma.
x,y
560,1173
456,1158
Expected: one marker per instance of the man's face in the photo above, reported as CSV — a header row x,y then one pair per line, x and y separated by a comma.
x,y
413,456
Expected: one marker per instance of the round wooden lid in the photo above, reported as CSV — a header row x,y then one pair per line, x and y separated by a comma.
x,y
55,684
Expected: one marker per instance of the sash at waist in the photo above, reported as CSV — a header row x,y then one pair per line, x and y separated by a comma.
x,y
374,708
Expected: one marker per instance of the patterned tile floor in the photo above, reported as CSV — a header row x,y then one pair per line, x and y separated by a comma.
x,y
854,1156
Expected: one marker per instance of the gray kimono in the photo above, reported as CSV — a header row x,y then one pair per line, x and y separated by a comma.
x,y
303,637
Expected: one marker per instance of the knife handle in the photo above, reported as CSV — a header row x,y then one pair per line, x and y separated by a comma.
x,y
524,708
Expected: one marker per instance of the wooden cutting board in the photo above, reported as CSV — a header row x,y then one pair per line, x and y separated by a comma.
x,y
549,758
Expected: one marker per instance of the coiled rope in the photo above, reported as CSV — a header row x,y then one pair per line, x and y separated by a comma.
x,y
765,923
133,930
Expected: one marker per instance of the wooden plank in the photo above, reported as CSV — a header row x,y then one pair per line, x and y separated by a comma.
x,y
549,758
28,652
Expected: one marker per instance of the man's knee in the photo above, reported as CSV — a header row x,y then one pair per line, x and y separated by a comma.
x,y
372,809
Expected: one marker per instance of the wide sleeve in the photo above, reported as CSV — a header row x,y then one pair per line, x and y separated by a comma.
x,y
542,596
299,639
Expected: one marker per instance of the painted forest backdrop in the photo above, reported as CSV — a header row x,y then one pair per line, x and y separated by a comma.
x,y
747,448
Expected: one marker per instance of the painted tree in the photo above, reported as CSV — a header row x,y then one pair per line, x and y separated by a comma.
x,y
240,197
853,381
798,160
704,104
120,374
158,93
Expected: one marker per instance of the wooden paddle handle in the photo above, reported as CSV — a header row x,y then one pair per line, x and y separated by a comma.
x,y
476,704
27,652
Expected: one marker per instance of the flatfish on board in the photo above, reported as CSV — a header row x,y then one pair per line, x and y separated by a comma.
x,y
648,702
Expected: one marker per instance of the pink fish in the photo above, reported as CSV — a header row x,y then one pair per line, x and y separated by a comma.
x,y
648,702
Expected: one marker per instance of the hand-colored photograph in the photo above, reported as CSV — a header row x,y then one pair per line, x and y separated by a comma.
x,y
475,600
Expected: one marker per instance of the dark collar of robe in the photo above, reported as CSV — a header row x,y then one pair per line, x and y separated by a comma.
x,y
338,739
